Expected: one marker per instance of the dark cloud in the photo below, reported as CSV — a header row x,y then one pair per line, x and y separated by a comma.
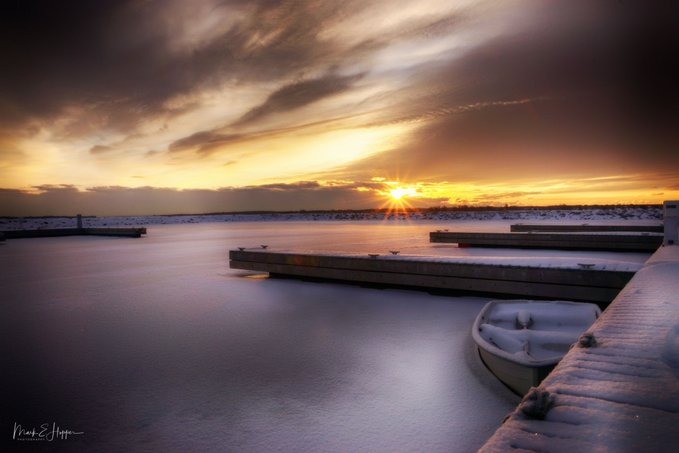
x,y
490,144
100,149
582,89
205,141
288,187
118,61
115,200
54,188
289,97
297,95
502,196
61,54
371,185
38,42
116,57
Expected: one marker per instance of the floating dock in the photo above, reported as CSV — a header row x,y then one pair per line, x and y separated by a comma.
x,y
559,241
598,283
57,232
526,228
79,230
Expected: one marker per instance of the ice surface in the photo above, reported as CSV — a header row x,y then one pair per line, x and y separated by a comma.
x,y
154,344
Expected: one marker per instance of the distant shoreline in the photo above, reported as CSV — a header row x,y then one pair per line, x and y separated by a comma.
x,y
569,214
408,210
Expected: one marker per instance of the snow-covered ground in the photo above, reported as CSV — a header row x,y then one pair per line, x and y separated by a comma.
x,y
634,215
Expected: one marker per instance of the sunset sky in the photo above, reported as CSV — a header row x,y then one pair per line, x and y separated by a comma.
x,y
178,106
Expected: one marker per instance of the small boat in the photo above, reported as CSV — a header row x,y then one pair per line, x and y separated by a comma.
x,y
521,341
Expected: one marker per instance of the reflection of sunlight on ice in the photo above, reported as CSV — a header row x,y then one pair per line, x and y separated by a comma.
x,y
256,276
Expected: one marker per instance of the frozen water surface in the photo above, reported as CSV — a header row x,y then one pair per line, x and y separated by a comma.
x,y
155,344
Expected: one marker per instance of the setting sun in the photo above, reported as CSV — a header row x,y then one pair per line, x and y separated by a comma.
x,y
400,192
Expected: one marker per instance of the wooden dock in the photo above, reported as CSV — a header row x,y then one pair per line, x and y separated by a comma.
x,y
58,232
591,283
619,392
559,241
583,228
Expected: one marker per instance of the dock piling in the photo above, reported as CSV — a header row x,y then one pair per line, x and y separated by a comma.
x,y
671,222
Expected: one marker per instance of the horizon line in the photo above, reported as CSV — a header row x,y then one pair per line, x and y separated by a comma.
x,y
404,209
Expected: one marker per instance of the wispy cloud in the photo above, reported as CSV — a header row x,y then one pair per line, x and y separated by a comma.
x,y
205,141
100,149
116,200
296,95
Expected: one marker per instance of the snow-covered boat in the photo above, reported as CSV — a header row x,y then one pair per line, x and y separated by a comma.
x,y
521,341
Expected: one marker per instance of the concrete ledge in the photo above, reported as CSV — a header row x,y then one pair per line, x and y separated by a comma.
x,y
622,394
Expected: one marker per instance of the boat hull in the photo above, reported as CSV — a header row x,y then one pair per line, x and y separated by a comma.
x,y
519,378
521,341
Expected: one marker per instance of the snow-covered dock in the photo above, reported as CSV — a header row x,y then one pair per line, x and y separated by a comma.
x,y
643,242
591,282
58,232
584,227
79,230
